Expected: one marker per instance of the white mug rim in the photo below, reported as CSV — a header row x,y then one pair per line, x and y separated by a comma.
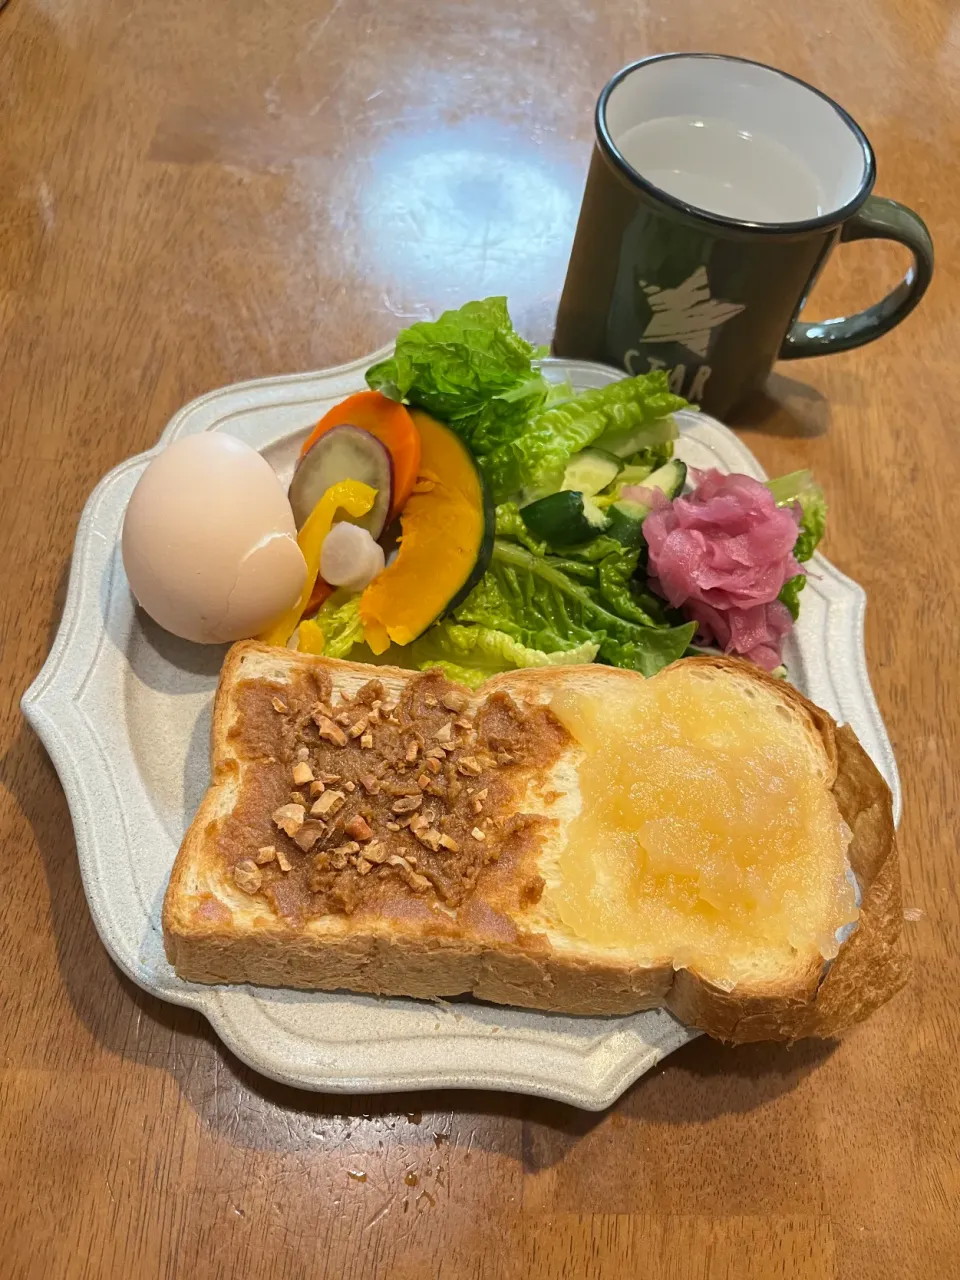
x,y
831,218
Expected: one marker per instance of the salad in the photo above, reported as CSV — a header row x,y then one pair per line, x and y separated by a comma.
x,y
465,513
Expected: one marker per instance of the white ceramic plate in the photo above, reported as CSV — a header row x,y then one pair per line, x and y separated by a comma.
x,y
123,708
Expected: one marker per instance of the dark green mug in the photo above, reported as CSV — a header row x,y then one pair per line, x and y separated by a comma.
x,y
717,189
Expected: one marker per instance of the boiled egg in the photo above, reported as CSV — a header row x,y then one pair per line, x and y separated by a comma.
x,y
209,541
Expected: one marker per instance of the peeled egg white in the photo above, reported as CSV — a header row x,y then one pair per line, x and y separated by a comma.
x,y
209,541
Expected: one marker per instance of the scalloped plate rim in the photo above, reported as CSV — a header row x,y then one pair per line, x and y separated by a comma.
x,y
42,701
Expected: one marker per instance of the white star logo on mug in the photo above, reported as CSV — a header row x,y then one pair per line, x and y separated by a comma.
x,y
687,314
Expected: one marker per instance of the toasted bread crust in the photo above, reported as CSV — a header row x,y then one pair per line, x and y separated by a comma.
x,y
399,957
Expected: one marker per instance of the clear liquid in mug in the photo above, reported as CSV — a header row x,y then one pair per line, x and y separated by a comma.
x,y
715,166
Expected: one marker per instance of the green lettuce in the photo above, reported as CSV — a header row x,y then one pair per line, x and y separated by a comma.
x,y
800,487
551,604
468,654
790,594
469,368
471,654
510,524
335,628
472,370
533,463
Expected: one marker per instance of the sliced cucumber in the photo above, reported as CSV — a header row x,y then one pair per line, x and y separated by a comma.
x,y
344,453
627,515
625,443
590,471
626,522
564,519
669,479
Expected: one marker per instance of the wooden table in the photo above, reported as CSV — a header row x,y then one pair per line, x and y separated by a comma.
x,y
192,194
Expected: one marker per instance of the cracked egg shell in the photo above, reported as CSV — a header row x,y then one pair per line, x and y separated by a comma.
x,y
209,541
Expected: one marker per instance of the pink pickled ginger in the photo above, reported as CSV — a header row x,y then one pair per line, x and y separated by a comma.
x,y
721,554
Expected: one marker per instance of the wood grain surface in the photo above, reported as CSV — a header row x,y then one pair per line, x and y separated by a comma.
x,y
191,194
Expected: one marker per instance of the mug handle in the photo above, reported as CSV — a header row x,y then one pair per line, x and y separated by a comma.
x,y
876,219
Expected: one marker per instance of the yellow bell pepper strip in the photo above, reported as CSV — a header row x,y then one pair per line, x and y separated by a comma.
x,y
353,497
310,636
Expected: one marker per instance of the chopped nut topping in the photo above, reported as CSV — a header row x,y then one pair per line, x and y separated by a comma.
x,y
248,876
302,774
280,707
289,818
417,765
329,803
331,732
308,835
406,804
358,828
346,849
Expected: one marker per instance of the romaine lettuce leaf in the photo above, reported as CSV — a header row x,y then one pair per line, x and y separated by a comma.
x,y
510,524
335,628
532,464
472,370
538,601
471,654
800,487
790,594
469,368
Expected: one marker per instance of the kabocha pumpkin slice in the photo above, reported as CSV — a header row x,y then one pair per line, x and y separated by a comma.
x,y
445,547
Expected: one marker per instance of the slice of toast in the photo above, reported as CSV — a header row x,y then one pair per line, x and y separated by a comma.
x,y
575,839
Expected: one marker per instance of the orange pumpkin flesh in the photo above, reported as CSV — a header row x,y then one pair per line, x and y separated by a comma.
x,y
445,546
